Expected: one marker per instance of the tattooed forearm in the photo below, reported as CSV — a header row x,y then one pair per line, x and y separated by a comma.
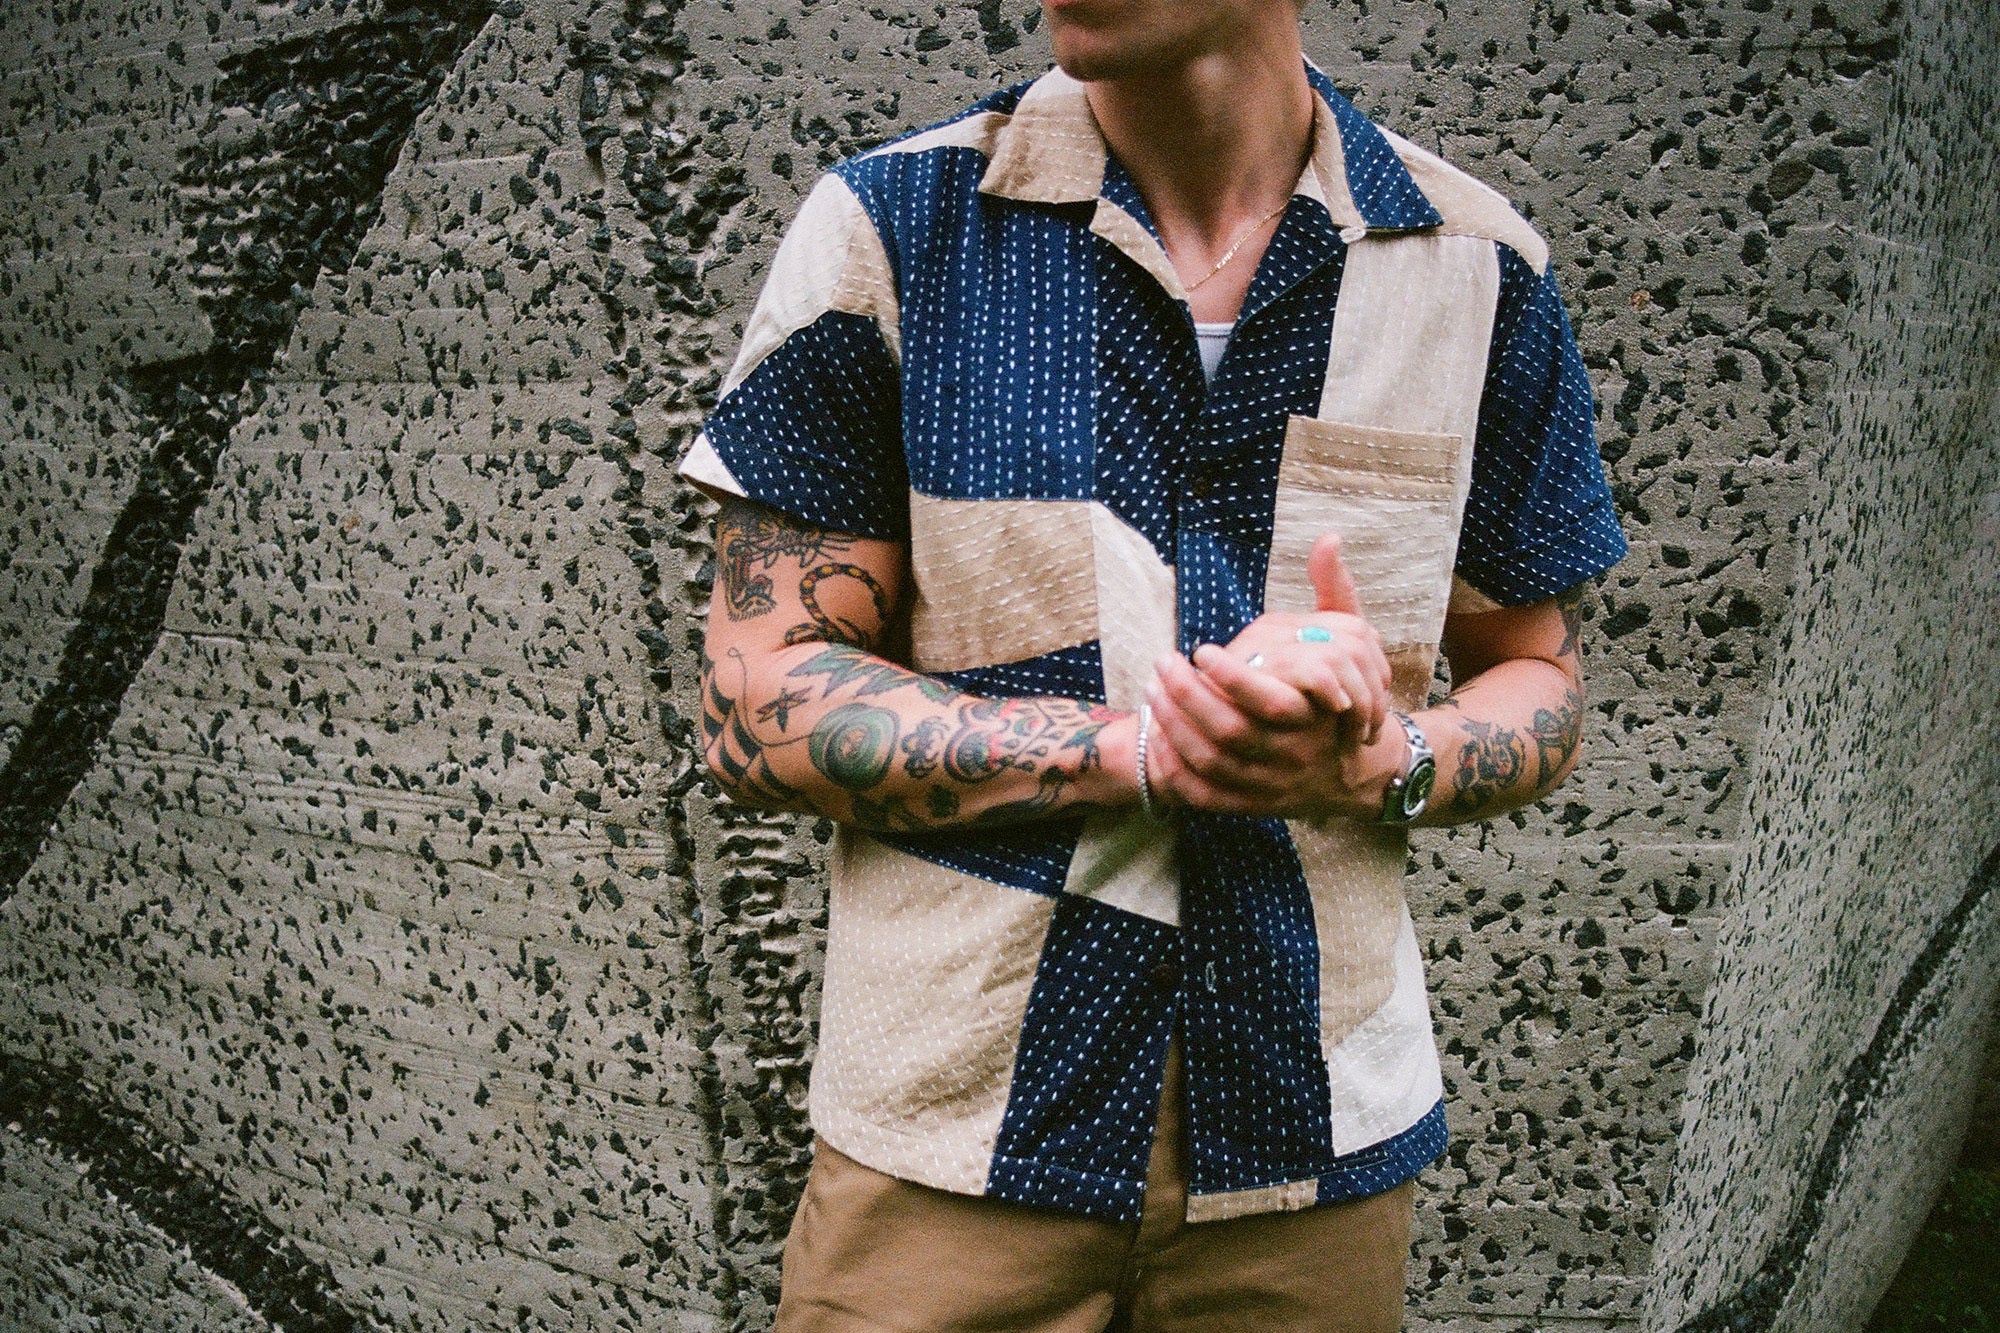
x,y
1488,767
868,742
1557,732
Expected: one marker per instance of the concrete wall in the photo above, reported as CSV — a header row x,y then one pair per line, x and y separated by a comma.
x,y
373,953
1861,959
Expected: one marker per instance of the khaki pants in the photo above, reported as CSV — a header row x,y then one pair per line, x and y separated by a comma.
x,y
868,1253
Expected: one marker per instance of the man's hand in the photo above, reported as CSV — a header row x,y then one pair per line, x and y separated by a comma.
x,y
1301,734
1276,724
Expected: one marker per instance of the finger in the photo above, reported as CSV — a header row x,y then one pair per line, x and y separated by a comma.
x,y
1315,678
1258,692
1225,725
1333,586
1371,703
1196,752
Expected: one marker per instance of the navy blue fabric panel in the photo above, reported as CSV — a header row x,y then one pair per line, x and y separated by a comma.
x,y
1093,1051
815,430
1275,368
1070,673
1540,517
1032,857
1122,190
904,193
1387,1164
998,323
1376,177
1221,587
1149,397
1258,1112
1173,449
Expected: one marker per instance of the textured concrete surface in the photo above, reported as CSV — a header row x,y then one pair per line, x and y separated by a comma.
x,y
1859,967
81,1261
357,879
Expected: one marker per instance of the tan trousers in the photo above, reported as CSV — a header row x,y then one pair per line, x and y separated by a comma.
x,y
869,1253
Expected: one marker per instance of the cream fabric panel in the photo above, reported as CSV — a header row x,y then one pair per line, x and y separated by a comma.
x,y
1393,498
1388,461
830,259
1470,207
976,131
1410,335
1355,875
927,979
1050,151
1385,1074
1125,859
999,580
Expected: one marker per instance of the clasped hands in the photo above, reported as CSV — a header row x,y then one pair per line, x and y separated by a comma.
x,y
1299,734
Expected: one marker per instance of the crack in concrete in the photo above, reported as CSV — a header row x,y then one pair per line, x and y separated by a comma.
x,y
1755,1305
287,180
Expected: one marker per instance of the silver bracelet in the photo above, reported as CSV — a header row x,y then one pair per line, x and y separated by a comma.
x,y
1145,779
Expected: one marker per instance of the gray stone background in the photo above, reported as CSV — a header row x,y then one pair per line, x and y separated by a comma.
x,y
375,954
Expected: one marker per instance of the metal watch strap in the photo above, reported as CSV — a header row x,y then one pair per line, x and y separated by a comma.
x,y
1409,793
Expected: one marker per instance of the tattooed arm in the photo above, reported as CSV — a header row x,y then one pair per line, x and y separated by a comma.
x,y
1509,731
1300,736
804,708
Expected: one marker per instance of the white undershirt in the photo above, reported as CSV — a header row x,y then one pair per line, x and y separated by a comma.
x,y
1213,340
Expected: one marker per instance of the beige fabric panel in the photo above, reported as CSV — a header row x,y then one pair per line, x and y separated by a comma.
x,y
1050,151
1286,1198
1354,872
999,580
705,468
830,259
1410,335
1136,601
927,979
1125,859
1384,1073
1393,498
977,131
1470,207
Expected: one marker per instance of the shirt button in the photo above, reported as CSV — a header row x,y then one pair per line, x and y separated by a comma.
x,y
1163,976
1204,486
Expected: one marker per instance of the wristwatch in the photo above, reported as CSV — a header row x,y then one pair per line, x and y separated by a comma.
x,y
1409,794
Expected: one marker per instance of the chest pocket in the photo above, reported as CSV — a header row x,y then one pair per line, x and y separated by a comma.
x,y
1393,499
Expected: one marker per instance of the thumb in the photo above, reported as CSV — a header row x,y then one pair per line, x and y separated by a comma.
x,y
1333,587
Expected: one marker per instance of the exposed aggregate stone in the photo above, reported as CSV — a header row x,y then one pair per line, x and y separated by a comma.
x,y
394,897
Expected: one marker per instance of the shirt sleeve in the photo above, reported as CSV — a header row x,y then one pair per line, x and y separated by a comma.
x,y
1539,518
810,418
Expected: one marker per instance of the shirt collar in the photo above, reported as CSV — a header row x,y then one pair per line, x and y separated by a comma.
x,y
1050,151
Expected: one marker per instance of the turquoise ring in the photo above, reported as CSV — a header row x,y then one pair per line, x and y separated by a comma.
x,y
1315,634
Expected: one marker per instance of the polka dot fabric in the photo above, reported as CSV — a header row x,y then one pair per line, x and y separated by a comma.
x,y
1539,519
1093,1051
1043,359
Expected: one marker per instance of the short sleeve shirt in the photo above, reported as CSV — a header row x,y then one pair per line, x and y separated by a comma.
x,y
971,341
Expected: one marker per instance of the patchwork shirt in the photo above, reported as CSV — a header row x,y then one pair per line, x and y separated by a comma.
x,y
971,341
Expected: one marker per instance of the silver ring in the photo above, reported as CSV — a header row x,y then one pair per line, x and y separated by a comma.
x,y
1256,662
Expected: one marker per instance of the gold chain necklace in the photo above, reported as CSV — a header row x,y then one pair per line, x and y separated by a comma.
x,y
1242,240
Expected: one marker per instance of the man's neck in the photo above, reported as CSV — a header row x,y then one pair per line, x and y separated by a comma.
x,y
1214,146
1215,142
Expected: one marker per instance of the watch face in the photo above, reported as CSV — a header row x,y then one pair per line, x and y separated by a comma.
x,y
1417,790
